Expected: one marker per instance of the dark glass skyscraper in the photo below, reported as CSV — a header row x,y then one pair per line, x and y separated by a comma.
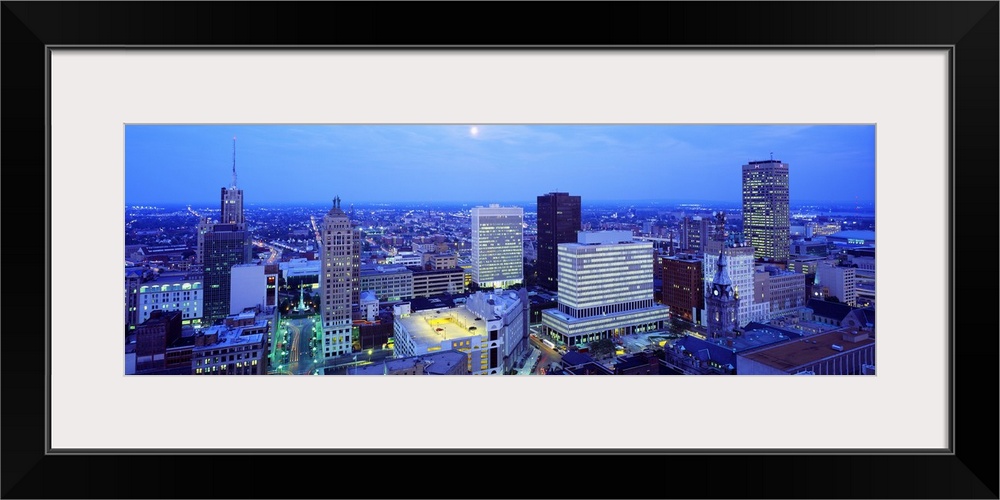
x,y
558,221
765,209
226,245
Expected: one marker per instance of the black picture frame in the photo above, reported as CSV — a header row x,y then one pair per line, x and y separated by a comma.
x,y
969,28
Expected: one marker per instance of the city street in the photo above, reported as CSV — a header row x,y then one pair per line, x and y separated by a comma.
x,y
293,351
546,359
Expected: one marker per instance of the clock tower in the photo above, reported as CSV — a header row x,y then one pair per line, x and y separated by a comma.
x,y
722,302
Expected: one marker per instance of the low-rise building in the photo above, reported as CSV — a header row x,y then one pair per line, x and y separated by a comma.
x,y
237,347
840,352
429,282
389,282
167,291
451,362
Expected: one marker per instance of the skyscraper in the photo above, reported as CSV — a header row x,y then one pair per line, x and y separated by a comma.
x,y
497,246
765,209
336,280
223,246
558,221
226,245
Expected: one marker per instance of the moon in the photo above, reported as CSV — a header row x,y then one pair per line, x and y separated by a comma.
x,y
474,131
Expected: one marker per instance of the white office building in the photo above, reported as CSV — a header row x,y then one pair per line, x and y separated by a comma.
x,y
491,328
171,292
605,289
741,269
497,246
249,287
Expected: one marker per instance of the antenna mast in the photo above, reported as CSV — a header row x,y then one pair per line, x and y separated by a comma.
x,y
234,162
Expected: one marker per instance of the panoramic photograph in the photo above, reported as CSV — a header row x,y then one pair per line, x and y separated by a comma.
x,y
499,249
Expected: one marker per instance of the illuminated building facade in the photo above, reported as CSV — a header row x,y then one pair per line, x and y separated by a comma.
x,y
558,221
497,246
336,280
605,289
491,328
170,292
765,209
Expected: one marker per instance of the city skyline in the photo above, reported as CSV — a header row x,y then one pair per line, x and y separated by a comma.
x,y
283,164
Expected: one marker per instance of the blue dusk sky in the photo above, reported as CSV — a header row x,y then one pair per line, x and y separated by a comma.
x,y
477,163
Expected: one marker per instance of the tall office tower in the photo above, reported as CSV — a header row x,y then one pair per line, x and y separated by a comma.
x,y
204,226
226,245
722,302
765,209
558,221
690,234
232,199
497,246
605,289
336,280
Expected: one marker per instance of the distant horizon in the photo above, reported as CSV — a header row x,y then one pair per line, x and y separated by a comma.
x,y
214,204
451,163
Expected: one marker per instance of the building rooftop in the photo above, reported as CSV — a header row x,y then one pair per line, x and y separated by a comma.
x,y
433,326
791,355
588,369
420,270
437,363
375,269
573,358
602,237
230,337
435,302
834,310
632,361
706,351
497,303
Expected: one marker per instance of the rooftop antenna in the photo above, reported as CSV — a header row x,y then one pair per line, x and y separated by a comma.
x,y
234,162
